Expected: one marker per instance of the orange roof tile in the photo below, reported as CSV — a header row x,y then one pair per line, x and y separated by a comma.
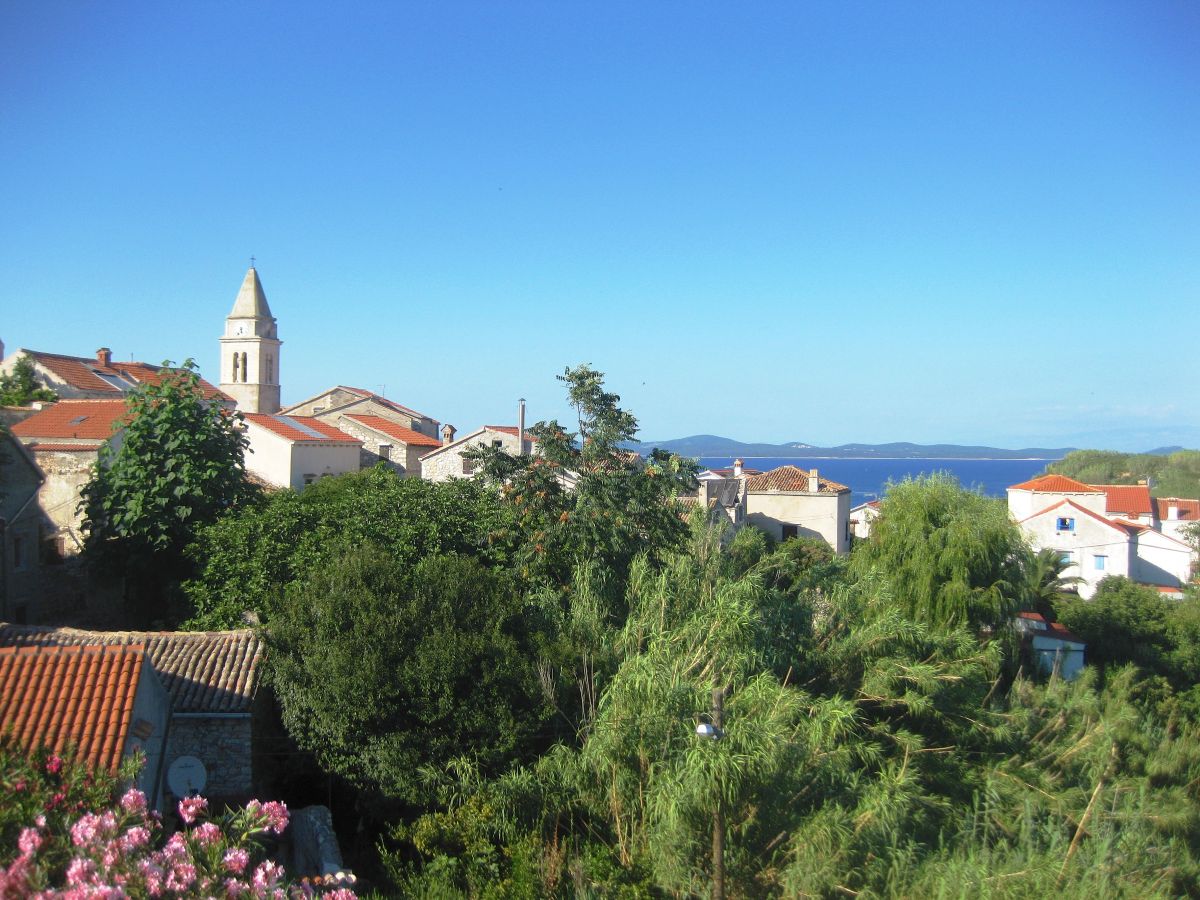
x,y
302,429
791,478
52,696
510,429
1127,499
203,671
1189,510
85,373
399,432
1055,484
86,419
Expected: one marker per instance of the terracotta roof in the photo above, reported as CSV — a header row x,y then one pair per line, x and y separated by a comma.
x,y
1127,499
203,671
1032,616
511,429
399,432
1055,484
790,478
52,696
302,429
84,373
39,446
1053,629
1189,510
87,419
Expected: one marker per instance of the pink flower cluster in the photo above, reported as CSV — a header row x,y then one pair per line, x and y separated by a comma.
x,y
112,854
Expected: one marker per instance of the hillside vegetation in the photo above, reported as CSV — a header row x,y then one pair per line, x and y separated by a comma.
x,y
1177,475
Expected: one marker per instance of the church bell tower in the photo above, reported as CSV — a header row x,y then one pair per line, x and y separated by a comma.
x,y
250,350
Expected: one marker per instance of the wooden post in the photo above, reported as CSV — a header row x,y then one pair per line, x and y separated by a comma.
x,y
718,843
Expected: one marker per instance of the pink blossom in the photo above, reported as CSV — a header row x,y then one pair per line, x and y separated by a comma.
x,y
39,820
191,807
29,841
137,836
267,875
175,848
153,875
235,888
340,894
275,812
181,876
80,872
235,860
207,834
83,832
134,801
54,764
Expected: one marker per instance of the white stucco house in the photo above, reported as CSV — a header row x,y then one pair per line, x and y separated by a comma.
x,y
1055,650
788,502
862,517
1101,530
294,451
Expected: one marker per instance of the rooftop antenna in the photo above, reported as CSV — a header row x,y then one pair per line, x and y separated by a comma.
x,y
383,390
252,260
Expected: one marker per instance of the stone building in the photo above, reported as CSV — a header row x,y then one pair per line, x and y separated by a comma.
x,y
20,530
250,350
388,442
447,461
218,713
788,502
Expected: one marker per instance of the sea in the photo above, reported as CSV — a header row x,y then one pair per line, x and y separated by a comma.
x,y
868,478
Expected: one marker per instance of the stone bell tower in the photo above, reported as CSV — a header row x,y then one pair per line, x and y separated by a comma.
x,y
250,350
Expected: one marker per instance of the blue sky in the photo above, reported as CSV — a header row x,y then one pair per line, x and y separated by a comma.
x,y
959,222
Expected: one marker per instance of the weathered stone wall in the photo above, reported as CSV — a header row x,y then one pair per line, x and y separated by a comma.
x,y
224,745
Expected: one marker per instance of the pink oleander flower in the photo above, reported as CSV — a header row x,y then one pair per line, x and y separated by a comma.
x,y
80,872
191,807
29,841
207,834
137,836
181,876
176,848
275,812
340,894
54,764
235,888
134,801
84,831
152,874
235,860
267,875
39,820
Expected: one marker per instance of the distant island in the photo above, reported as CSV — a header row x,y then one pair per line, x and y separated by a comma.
x,y
714,445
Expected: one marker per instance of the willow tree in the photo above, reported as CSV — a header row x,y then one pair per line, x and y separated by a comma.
x,y
950,555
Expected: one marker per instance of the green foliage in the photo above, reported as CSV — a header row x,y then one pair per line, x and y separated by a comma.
x,y
951,556
1176,475
177,468
382,668
248,558
20,387
619,504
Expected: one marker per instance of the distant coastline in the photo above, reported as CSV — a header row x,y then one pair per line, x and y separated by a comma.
x,y
710,445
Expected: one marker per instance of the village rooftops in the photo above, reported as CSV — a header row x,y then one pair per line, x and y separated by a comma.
x,y
395,430
1056,484
301,429
92,420
202,671
101,374
792,479
1185,510
55,696
1127,499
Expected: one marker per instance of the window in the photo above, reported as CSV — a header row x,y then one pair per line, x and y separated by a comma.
x,y
791,531
496,445
1065,524
1066,557
385,451
309,479
468,466
1101,562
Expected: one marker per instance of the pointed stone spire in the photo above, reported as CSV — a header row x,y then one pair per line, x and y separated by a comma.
x,y
251,302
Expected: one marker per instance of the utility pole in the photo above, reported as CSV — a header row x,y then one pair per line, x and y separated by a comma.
x,y
718,847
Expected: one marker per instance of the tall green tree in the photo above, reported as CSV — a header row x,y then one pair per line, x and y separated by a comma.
x,y
20,386
177,467
951,556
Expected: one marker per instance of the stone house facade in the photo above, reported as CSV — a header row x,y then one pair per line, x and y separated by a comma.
x,y
385,441
788,502
332,404
447,461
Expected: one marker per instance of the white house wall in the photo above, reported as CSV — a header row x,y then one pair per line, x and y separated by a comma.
x,y
1023,504
1161,560
824,516
313,460
1089,540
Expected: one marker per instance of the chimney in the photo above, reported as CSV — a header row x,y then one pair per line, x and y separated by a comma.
x,y
447,434
521,427
104,356
737,468
1173,512
814,483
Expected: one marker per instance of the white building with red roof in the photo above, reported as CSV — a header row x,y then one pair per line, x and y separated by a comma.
x,y
1101,530
789,502
294,451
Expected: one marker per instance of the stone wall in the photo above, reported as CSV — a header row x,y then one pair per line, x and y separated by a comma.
x,y
224,745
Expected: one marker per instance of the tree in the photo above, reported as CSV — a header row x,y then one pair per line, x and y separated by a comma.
x,y
248,558
951,556
20,387
382,668
1044,581
177,467
618,505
